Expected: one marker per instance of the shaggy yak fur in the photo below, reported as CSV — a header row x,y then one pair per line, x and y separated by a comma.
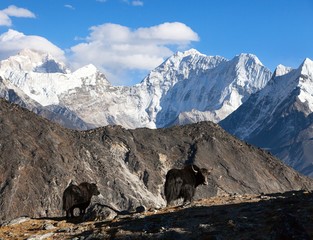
x,y
182,183
78,197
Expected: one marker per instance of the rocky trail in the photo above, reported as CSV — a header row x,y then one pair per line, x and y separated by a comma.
x,y
287,215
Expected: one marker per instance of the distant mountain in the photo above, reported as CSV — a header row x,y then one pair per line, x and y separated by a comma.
x,y
187,87
38,159
279,117
206,91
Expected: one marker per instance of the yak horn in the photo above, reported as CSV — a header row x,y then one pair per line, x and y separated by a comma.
x,y
193,169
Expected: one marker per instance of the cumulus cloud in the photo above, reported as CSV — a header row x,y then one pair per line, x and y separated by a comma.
x,y
5,19
116,49
12,42
13,11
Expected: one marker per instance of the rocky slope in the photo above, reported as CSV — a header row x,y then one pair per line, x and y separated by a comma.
x,y
187,87
275,216
38,159
279,117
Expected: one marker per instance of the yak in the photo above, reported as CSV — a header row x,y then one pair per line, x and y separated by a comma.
x,y
78,197
182,183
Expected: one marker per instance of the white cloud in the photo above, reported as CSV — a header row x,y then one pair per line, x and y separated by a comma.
x,y
134,2
13,11
137,3
4,19
69,6
168,33
117,49
11,42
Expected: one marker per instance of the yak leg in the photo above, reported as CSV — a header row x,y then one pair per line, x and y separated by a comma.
x,y
188,192
83,207
82,211
72,212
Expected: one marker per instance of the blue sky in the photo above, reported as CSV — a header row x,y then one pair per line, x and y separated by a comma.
x,y
128,38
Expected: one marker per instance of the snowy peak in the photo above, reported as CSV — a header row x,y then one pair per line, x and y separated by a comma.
x,y
247,59
305,82
281,70
87,70
45,80
250,73
306,68
34,61
181,66
191,51
193,59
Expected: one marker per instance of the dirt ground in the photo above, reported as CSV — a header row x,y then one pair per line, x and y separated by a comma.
x,y
276,216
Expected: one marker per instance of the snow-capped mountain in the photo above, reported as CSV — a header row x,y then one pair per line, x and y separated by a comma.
x,y
188,86
212,93
55,113
279,117
33,61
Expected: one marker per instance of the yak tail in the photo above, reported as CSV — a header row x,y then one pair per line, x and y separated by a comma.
x,y
172,188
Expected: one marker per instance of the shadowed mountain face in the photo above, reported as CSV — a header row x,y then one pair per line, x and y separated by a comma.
x,y
279,117
38,159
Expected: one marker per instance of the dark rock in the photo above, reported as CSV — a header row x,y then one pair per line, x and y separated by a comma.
x,y
140,209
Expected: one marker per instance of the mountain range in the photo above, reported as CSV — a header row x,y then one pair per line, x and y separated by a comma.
x,y
187,87
269,110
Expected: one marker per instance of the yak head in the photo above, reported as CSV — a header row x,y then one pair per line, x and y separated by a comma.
x,y
94,189
201,174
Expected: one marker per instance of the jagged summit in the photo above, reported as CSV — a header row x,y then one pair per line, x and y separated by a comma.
x,y
188,53
86,70
191,51
247,59
281,70
192,58
306,67
34,61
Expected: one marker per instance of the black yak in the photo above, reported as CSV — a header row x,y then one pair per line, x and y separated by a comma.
x,y
78,197
182,183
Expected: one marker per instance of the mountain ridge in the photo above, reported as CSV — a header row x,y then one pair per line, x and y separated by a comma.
x,y
39,158
187,87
